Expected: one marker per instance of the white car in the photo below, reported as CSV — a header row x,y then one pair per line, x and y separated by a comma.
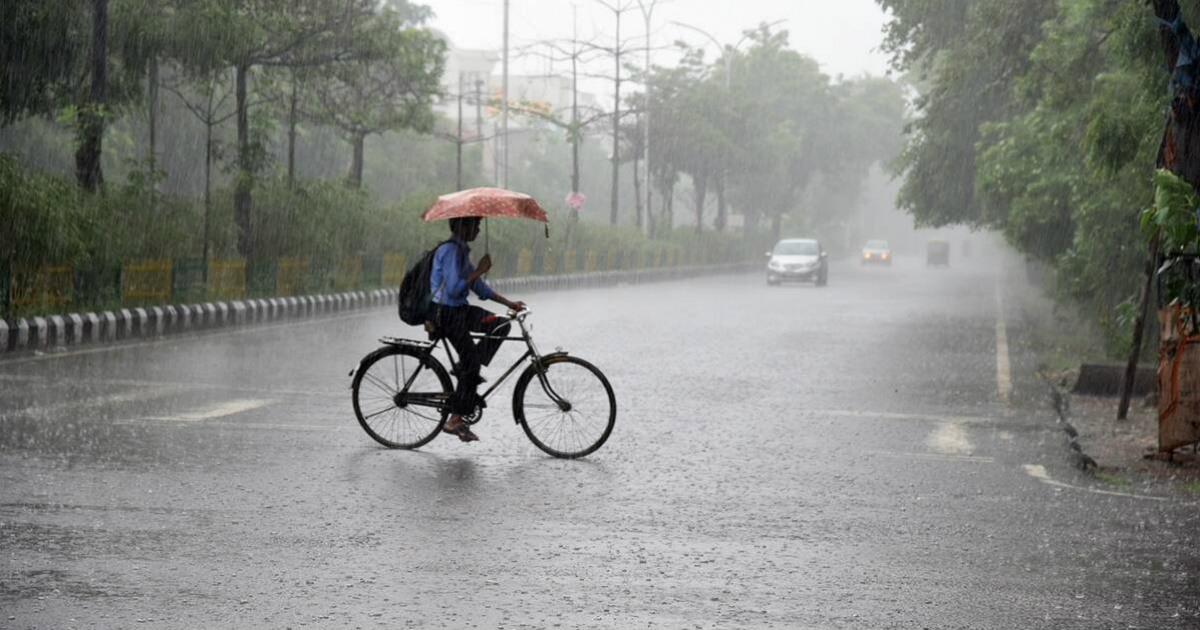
x,y
798,260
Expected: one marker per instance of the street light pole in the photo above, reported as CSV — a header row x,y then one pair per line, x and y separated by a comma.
x,y
504,105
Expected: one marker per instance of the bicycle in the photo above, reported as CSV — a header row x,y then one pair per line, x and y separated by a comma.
x,y
569,413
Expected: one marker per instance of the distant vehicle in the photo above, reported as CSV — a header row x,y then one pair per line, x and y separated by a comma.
x,y
937,253
877,252
798,260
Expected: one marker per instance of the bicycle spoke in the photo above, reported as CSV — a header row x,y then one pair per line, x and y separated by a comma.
x,y
415,420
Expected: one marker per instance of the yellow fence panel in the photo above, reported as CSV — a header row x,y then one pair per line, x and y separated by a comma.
x,y
146,280
226,279
549,262
590,263
393,270
569,261
349,273
611,260
289,276
48,285
524,262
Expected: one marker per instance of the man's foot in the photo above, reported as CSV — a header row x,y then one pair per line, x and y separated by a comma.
x,y
461,429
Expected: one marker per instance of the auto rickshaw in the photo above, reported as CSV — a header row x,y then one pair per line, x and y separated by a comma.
x,y
937,253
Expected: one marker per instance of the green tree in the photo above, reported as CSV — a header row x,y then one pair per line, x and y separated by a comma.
x,y
392,88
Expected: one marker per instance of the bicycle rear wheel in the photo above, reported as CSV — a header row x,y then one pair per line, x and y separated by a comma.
x,y
582,423
395,419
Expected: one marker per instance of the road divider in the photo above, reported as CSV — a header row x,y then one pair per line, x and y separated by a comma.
x,y
54,332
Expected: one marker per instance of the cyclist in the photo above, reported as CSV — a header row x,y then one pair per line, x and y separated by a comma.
x,y
451,277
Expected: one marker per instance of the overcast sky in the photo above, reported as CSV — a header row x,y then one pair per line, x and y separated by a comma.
x,y
843,35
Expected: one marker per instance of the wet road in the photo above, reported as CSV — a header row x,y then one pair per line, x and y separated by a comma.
x,y
856,456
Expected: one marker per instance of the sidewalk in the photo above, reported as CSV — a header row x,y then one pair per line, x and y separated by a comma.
x,y
1126,452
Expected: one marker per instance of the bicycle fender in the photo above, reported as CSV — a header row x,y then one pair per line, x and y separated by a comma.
x,y
548,359
554,357
358,366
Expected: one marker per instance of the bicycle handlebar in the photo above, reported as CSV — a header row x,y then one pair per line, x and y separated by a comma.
x,y
519,315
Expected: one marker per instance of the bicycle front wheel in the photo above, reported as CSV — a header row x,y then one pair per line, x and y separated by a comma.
x,y
579,416
400,397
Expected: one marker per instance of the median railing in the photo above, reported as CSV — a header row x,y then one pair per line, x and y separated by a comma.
x,y
151,298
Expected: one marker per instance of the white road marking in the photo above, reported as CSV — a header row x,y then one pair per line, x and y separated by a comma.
x,y
950,439
257,426
915,417
180,386
1003,374
150,392
937,457
220,411
1037,471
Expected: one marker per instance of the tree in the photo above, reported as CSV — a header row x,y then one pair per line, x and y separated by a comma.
x,y
967,55
390,88
264,33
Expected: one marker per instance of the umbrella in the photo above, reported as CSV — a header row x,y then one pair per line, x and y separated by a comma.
x,y
485,202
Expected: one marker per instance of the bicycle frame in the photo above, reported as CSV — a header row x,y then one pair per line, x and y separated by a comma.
x,y
531,353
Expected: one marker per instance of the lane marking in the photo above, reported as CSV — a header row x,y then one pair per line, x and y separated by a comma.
x,y
950,439
264,426
1003,374
150,392
220,411
1037,471
916,417
179,385
936,457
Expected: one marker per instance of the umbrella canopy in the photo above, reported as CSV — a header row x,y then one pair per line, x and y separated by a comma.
x,y
485,202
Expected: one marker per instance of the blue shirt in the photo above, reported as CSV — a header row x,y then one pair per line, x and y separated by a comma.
x,y
448,277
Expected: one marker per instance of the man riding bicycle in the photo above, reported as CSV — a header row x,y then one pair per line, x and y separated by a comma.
x,y
451,277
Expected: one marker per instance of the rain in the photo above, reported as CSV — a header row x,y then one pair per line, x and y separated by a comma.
x,y
599,314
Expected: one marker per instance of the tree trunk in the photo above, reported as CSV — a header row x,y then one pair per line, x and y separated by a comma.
x,y
751,227
356,162
1139,325
91,119
776,225
208,132
669,210
637,193
152,93
700,189
244,185
616,128
722,211
291,150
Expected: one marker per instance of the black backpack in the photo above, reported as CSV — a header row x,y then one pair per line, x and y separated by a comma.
x,y
416,299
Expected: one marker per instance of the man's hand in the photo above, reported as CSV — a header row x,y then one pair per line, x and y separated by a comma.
x,y
516,307
485,264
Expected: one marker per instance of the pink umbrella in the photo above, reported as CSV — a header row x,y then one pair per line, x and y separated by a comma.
x,y
485,202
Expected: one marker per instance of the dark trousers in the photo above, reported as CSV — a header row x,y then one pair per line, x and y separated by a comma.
x,y
456,323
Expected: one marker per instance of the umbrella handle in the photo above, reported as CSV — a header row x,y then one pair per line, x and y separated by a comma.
x,y
487,239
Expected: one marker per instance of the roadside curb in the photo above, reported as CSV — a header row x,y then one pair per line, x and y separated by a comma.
x,y
27,335
1062,410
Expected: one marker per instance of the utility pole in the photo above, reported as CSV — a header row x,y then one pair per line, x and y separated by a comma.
x,y
478,108
504,105
615,203
647,13
458,132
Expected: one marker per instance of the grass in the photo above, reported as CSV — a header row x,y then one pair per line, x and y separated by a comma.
x,y
1192,487
1112,479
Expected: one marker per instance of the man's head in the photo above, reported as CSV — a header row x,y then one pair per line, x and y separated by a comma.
x,y
466,228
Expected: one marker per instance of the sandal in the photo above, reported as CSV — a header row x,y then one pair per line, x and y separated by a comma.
x,y
463,432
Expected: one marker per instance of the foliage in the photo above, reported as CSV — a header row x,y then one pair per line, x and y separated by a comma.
x,y
1041,120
